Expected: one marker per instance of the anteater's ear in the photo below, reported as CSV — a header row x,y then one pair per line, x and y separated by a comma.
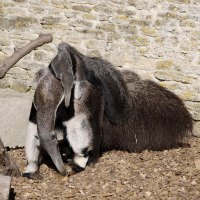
x,y
107,79
62,67
78,67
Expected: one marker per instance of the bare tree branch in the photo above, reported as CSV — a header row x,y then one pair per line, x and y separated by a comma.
x,y
21,52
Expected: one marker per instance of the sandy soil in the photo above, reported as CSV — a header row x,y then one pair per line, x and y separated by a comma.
x,y
170,174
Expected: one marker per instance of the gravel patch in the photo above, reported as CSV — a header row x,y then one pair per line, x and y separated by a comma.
x,y
170,174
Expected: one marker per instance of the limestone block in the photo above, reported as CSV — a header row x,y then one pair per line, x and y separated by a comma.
x,y
17,71
144,64
40,56
104,9
149,31
183,1
5,23
82,8
109,27
1,9
14,115
113,37
140,22
59,4
50,20
19,43
23,22
20,85
94,53
41,2
188,23
36,10
138,40
89,16
20,1
2,55
171,85
194,108
196,131
4,40
20,10
164,64
126,11
128,29
5,83
175,76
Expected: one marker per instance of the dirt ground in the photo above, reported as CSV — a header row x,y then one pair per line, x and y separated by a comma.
x,y
170,174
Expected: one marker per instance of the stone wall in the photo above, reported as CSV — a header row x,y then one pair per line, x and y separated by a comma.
x,y
159,39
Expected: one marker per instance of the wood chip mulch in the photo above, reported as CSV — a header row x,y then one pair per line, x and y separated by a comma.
x,y
170,174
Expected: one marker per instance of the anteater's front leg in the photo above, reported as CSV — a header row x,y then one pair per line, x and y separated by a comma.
x,y
32,147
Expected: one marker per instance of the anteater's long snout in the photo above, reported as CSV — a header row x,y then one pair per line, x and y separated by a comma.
x,y
50,144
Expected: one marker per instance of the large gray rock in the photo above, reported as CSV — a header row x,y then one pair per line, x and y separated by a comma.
x,y
14,114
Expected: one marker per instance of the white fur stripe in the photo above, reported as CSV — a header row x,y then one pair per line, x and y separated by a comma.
x,y
79,133
81,161
78,91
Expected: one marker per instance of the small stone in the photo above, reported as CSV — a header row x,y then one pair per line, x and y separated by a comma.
x,y
147,193
197,164
27,194
143,175
193,182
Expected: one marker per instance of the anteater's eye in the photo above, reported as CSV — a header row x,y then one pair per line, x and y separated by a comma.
x,y
53,137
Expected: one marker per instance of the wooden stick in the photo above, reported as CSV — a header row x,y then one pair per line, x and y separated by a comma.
x,y
7,165
21,52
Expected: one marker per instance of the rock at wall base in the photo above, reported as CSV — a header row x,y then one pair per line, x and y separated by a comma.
x,y
14,114
5,182
196,131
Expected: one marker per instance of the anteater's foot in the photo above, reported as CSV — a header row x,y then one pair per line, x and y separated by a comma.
x,y
34,175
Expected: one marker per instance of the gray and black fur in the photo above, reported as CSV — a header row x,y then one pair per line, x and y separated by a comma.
x,y
98,72
111,109
137,114
45,129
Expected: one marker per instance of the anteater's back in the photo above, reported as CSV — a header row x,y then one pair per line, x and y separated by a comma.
x,y
157,120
